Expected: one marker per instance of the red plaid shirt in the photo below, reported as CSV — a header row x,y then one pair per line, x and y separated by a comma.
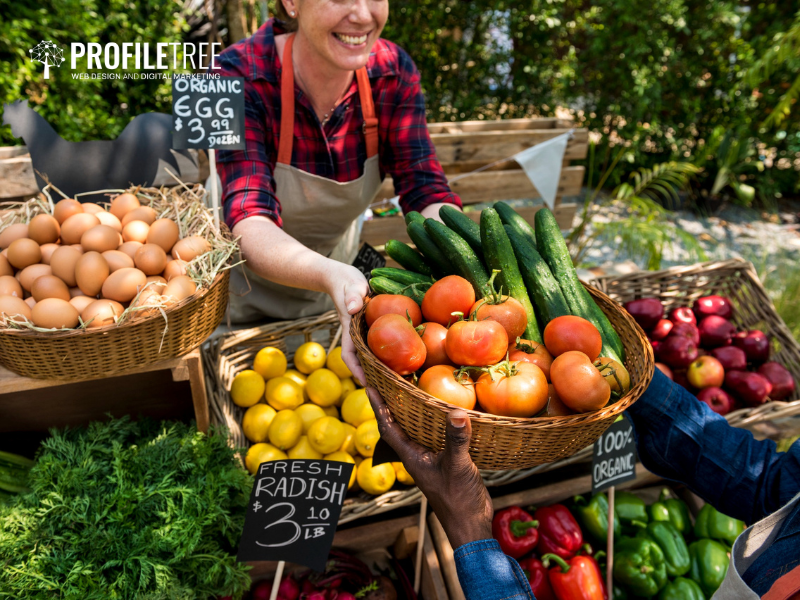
x,y
337,151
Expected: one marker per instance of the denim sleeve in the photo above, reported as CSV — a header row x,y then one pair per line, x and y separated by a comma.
x,y
681,438
485,573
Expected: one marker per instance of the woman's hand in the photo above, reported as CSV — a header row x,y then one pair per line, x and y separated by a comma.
x,y
449,479
348,287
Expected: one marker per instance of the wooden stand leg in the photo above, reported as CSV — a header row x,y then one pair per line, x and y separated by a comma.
x,y
198,384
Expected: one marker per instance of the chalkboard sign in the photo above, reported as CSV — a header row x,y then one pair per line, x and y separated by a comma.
x,y
614,459
367,259
208,113
293,511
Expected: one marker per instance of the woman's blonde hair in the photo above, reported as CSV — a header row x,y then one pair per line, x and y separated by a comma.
x,y
289,23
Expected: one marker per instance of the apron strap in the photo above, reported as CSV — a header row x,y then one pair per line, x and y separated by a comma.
x,y
286,133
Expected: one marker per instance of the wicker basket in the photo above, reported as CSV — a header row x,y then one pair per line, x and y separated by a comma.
x,y
500,443
738,280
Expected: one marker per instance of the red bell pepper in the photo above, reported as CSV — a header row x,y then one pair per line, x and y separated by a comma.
x,y
515,530
576,579
559,532
536,573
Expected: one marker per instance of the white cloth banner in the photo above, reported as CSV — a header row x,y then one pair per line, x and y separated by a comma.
x,y
542,165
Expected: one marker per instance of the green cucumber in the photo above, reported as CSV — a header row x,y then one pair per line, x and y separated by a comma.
x,y
383,285
553,248
408,258
414,217
460,255
435,258
500,256
514,220
463,226
543,288
401,275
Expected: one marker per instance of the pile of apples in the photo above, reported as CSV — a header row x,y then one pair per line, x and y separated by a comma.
x,y
700,349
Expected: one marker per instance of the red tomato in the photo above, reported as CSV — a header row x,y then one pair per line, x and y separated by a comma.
x,y
512,389
448,295
555,406
440,382
476,343
509,312
567,333
397,344
532,352
392,304
578,382
433,336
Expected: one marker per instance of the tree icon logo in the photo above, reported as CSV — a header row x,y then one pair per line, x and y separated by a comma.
x,y
47,53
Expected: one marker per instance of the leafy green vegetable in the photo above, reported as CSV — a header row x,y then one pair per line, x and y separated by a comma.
x,y
127,510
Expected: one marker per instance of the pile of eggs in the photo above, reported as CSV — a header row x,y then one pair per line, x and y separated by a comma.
x,y
83,263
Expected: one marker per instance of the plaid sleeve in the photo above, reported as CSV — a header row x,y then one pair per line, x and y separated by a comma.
x,y
407,152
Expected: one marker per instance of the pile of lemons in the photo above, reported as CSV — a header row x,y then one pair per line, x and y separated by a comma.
x,y
314,411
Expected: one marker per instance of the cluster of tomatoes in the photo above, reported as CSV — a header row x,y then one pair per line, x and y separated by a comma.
x,y
465,351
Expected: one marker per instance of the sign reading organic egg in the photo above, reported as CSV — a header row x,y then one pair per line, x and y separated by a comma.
x,y
208,113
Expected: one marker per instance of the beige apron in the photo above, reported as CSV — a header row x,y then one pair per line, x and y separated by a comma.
x,y
320,213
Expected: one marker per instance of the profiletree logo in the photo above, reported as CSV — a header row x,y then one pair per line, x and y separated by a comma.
x,y
47,53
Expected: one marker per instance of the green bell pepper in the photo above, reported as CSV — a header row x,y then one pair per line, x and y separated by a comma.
x,y
672,544
709,564
593,517
631,511
711,523
639,566
673,510
682,589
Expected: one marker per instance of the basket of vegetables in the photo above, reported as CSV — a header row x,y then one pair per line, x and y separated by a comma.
x,y
494,320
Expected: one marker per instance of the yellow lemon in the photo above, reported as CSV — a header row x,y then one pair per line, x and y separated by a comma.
x,y
283,393
349,443
331,411
296,376
348,387
309,413
323,387
367,436
302,449
356,408
336,364
400,471
285,430
309,357
269,363
247,388
340,456
375,480
256,422
326,435
259,453
359,459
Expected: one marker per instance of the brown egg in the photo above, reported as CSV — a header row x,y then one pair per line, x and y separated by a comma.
x,y
74,227
163,232
5,266
14,309
54,313
101,312
150,259
30,274
123,204
143,213
75,291
135,231
123,285
92,208
100,238
130,248
47,252
77,247
23,253
81,302
63,263
157,281
174,268
179,288
44,229
66,208
148,297
117,260
190,247
107,218
49,286
9,286
13,232
30,301
91,273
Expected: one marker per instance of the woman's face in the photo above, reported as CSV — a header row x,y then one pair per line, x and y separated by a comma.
x,y
342,32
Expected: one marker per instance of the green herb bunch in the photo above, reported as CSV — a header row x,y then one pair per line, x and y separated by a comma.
x,y
126,509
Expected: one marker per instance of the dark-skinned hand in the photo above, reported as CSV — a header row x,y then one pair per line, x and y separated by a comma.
x,y
449,479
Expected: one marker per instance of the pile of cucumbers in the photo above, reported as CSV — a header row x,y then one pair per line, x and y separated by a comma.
x,y
13,475
534,263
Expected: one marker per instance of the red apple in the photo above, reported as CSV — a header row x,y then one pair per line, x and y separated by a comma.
x,y
751,388
676,351
715,331
754,343
686,330
656,345
780,378
717,400
664,369
682,314
718,306
647,312
731,357
661,330
704,372
679,377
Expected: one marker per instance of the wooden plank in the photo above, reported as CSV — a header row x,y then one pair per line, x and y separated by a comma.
x,y
446,560
406,543
485,147
498,124
197,383
433,585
